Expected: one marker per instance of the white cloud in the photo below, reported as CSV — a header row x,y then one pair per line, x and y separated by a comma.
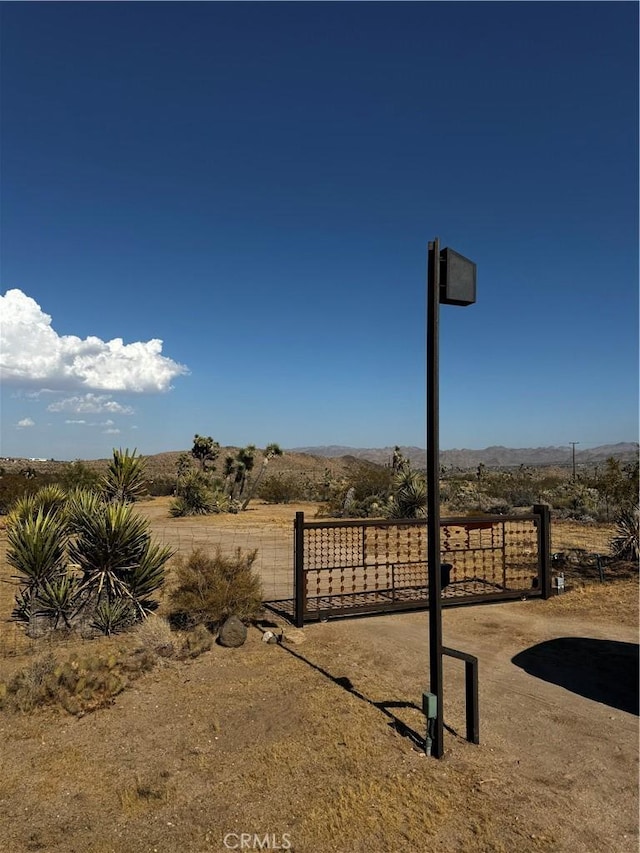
x,y
90,404
75,422
111,431
25,422
32,353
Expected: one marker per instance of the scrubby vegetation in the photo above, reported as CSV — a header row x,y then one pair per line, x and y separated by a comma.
x,y
209,588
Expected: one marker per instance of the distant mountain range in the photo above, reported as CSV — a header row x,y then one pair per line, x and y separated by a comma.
x,y
495,457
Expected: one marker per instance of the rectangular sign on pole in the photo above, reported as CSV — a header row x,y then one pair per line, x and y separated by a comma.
x,y
457,279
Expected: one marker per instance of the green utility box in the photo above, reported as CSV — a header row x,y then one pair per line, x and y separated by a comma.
x,y
430,705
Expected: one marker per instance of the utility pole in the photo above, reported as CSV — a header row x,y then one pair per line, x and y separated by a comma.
x,y
573,456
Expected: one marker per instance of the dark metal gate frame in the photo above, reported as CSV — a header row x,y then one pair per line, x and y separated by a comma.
x,y
370,602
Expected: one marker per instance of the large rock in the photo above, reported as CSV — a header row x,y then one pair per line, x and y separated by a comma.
x,y
233,633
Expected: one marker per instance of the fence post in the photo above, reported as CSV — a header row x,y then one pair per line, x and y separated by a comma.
x,y
544,540
299,585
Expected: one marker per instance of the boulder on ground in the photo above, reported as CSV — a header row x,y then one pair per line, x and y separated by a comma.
x,y
233,633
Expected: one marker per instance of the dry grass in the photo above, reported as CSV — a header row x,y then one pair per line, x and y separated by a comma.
x,y
593,538
144,792
616,601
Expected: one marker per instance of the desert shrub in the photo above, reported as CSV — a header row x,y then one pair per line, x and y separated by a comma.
x,y
363,492
161,486
156,635
575,500
78,475
30,687
281,489
617,485
625,544
14,486
207,589
197,496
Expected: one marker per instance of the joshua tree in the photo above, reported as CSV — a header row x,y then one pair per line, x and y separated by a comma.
x,y
270,452
183,469
236,469
399,462
205,450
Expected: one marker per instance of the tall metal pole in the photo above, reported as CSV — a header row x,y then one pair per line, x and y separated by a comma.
x,y
433,491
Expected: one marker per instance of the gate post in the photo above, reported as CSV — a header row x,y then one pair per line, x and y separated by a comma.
x,y
544,545
299,585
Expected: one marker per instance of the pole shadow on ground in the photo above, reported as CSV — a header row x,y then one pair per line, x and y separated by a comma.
x,y
385,707
605,671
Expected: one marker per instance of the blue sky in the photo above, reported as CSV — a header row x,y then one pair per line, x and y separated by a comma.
x,y
255,184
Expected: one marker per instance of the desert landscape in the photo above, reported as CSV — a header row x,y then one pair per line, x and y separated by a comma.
x,y
315,743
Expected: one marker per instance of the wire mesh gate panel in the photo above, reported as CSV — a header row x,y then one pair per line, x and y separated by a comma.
x,y
367,566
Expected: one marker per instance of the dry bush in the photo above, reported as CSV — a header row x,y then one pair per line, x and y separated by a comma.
x,y
155,634
31,687
208,589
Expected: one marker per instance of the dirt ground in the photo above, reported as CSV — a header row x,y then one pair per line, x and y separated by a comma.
x,y
317,746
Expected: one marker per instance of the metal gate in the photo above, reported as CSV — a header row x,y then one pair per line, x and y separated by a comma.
x,y
363,566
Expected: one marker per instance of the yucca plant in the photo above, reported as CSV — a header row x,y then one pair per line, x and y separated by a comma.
x,y
125,479
36,547
108,544
270,452
147,577
22,607
49,499
56,599
22,508
112,616
80,504
409,495
85,559
625,545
